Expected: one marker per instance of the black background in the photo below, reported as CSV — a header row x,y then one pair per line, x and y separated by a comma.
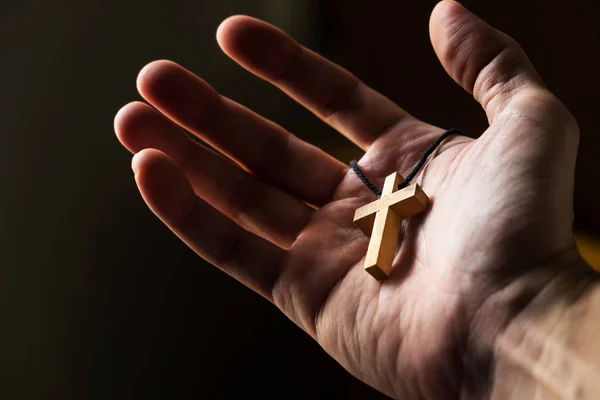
x,y
97,299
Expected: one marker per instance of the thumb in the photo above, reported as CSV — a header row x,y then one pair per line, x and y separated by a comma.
x,y
484,61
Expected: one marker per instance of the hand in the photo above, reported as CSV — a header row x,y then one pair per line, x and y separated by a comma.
x,y
498,228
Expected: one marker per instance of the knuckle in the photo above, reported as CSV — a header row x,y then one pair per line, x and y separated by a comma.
x,y
543,109
341,97
229,249
273,154
242,198
502,76
481,57
562,115
187,212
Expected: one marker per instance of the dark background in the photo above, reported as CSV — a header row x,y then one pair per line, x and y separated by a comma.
x,y
97,299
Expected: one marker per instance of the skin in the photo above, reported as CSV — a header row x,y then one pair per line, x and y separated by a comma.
x,y
497,231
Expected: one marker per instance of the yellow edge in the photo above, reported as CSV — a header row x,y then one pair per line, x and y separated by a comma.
x,y
590,249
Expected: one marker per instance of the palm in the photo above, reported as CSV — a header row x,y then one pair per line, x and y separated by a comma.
x,y
500,204
432,282
363,323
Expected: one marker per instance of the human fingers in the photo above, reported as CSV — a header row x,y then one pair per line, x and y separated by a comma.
x,y
251,203
252,260
257,144
332,93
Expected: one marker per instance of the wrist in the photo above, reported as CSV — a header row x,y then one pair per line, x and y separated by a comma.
x,y
512,324
551,348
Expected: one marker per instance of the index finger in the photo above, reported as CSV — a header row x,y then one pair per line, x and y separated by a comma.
x,y
332,93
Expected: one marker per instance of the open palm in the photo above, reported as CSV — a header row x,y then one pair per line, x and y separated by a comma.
x,y
276,213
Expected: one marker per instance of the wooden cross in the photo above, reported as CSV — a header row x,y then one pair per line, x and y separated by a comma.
x,y
382,220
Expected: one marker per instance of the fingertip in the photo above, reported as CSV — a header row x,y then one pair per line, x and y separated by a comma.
x,y
256,45
177,92
150,162
126,121
449,5
155,164
484,61
135,163
119,118
443,15
164,187
139,126
464,43
228,29
153,73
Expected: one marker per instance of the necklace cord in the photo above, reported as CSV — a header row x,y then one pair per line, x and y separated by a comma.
x,y
415,170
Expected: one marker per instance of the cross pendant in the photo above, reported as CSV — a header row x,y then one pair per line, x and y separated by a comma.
x,y
382,220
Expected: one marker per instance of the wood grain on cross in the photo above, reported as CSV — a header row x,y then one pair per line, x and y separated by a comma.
x,y
382,221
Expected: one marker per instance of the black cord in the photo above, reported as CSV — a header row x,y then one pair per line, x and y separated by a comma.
x,y
416,169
